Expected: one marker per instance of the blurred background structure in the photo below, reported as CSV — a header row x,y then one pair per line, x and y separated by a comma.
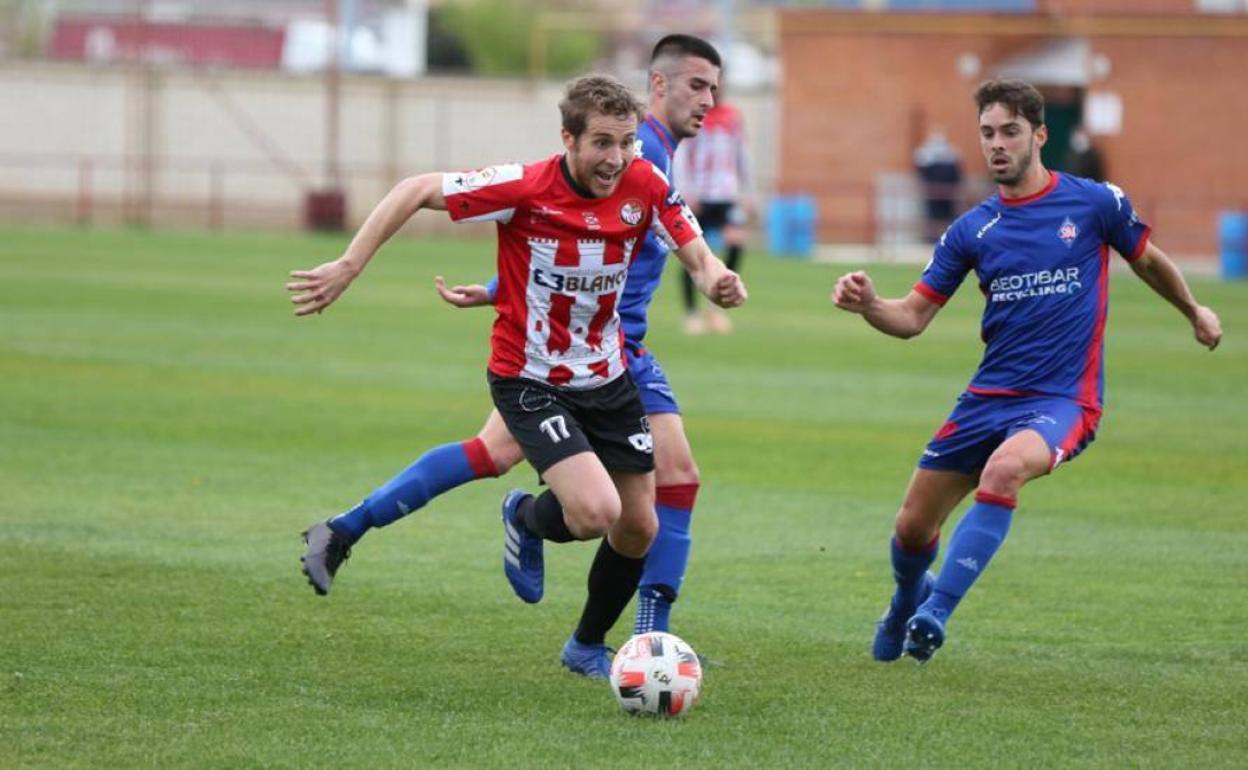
x,y
1141,83
303,113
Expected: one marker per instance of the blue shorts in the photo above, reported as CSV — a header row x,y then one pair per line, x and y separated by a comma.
x,y
656,394
980,424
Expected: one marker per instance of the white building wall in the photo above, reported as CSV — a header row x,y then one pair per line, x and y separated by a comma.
x,y
241,149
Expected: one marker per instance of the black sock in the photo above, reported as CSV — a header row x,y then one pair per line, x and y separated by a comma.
x,y
613,580
689,289
734,257
543,516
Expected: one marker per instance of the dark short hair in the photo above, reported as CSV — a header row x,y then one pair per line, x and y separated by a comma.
x,y
684,45
1018,96
602,94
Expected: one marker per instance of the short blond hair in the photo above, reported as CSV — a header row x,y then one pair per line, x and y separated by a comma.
x,y
600,94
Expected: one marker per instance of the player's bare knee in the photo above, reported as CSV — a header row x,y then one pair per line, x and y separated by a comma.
x,y
592,516
643,528
913,530
633,536
678,471
505,456
918,521
1004,475
503,449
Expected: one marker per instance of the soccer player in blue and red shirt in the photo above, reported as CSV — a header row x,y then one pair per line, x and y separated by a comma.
x,y
1040,248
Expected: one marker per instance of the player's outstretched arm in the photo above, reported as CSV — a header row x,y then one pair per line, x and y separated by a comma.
x,y
906,317
470,295
318,288
712,277
1163,276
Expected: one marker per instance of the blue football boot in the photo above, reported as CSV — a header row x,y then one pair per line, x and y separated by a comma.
x,y
890,631
925,633
523,563
588,660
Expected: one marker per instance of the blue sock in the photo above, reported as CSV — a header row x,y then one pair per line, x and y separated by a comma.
x,y
667,559
908,570
438,470
977,538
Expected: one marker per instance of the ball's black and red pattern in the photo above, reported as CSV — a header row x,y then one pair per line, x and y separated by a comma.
x,y
656,673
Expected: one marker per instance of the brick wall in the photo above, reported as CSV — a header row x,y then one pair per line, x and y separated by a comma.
x,y
233,149
1116,7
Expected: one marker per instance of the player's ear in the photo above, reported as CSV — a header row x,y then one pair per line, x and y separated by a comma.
x,y
569,141
1042,135
658,83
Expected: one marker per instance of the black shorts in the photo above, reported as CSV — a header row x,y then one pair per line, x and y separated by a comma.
x,y
714,215
552,424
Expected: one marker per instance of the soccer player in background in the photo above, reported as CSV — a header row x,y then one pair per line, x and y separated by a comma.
x,y
712,171
568,229
684,73
1040,249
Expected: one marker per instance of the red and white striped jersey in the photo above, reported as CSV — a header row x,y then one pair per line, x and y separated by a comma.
x,y
712,167
563,257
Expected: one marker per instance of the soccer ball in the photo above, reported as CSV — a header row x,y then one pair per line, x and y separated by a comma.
x,y
656,673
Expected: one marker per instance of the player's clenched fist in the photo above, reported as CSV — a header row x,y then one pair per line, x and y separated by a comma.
x,y
854,292
729,291
1208,327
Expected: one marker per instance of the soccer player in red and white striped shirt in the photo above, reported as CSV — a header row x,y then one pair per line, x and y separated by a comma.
x,y
713,172
568,228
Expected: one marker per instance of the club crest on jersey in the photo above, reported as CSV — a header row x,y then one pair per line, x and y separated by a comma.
x,y
591,220
631,212
1068,232
475,180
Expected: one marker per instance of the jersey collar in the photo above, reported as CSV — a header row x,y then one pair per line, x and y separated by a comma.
x,y
576,186
1048,188
667,138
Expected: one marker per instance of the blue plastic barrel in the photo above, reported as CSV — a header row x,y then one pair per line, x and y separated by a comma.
x,y
791,225
1233,244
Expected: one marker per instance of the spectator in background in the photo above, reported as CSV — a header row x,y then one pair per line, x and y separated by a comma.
x,y
940,175
712,171
1083,158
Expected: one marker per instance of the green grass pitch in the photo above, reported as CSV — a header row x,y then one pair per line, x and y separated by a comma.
x,y
167,428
